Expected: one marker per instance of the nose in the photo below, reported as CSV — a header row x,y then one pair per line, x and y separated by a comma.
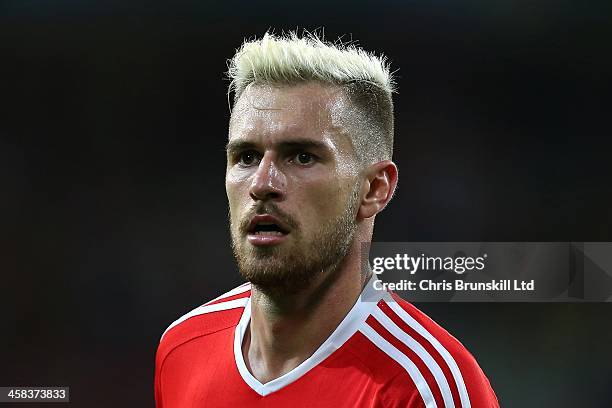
x,y
268,181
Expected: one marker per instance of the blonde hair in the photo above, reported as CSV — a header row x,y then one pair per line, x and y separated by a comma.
x,y
290,59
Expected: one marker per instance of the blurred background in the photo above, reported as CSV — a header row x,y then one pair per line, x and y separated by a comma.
x,y
113,120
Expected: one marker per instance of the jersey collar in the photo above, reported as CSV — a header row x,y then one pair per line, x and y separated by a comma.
x,y
360,311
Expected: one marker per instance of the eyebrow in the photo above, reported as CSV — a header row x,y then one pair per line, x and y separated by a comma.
x,y
295,144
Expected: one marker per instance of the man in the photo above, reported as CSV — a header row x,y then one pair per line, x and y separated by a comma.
x,y
308,169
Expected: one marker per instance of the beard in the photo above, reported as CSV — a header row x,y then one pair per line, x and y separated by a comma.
x,y
294,267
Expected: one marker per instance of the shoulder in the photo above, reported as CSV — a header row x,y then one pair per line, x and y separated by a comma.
x,y
424,365
218,314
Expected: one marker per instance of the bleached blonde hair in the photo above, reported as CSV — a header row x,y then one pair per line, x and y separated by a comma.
x,y
290,59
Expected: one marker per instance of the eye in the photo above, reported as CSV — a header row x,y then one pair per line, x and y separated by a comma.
x,y
303,158
248,158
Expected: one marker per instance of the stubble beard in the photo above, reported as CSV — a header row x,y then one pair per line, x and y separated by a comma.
x,y
292,268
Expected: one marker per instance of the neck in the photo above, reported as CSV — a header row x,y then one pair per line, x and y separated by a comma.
x,y
286,329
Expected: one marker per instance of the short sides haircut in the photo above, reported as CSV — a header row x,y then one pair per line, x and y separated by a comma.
x,y
365,77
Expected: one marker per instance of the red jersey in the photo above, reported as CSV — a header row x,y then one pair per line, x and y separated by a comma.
x,y
385,353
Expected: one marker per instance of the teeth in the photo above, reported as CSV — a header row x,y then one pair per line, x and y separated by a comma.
x,y
268,233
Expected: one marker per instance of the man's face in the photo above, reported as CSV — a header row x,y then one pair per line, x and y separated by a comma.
x,y
292,182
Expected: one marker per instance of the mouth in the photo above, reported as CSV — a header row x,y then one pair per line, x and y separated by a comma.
x,y
266,230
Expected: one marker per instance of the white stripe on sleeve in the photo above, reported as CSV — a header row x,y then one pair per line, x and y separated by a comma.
x,y
404,361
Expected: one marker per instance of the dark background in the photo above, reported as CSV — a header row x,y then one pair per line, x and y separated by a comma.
x,y
113,120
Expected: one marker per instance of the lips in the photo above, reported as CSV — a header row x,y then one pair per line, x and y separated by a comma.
x,y
266,230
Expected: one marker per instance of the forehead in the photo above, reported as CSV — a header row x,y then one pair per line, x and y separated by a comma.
x,y
309,109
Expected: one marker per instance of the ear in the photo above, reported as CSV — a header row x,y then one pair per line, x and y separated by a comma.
x,y
377,188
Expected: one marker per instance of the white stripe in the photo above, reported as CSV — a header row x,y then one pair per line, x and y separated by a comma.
x,y
245,287
404,361
448,358
230,304
420,351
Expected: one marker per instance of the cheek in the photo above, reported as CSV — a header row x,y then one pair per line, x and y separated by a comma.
x,y
323,200
235,189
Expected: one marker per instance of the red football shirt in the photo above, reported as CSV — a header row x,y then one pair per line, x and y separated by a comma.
x,y
385,353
